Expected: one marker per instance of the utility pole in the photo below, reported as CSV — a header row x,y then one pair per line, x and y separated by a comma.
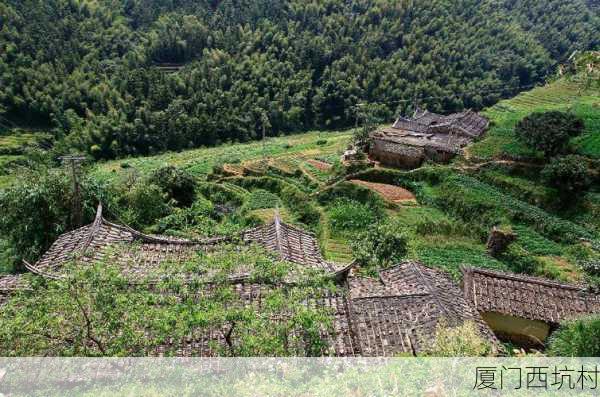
x,y
76,211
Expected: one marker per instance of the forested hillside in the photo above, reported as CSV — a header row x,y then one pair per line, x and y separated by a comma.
x,y
89,70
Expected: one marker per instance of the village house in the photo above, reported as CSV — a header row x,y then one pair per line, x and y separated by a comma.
x,y
425,136
397,312
525,309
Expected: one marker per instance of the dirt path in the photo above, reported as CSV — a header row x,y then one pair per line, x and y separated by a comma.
x,y
391,193
497,162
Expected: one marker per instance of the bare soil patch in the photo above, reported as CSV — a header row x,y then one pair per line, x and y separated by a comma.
x,y
233,169
391,193
320,165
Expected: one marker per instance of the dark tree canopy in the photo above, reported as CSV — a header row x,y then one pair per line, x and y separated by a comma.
x,y
176,183
549,132
90,71
569,174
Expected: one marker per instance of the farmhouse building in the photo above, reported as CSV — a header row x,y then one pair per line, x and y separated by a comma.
x,y
525,309
425,136
397,312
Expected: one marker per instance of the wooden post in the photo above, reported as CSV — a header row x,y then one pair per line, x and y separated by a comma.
x,y
76,211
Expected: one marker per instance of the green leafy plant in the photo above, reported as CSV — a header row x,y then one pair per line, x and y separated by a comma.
x,y
348,215
577,338
38,207
98,311
382,245
261,199
464,340
145,203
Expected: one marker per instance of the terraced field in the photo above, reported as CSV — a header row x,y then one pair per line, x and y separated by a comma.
x,y
12,146
446,211
500,141
200,162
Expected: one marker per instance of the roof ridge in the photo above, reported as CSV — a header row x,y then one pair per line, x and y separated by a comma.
x,y
94,227
432,291
298,229
277,224
523,278
401,296
164,240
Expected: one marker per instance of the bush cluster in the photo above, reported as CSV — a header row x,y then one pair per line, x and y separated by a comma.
x,y
381,245
578,338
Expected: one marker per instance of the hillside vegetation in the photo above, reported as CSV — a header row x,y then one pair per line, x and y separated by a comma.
x,y
300,178
90,71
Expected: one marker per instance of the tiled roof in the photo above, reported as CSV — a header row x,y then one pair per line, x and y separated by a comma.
x,y
396,313
399,312
409,125
93,242
427,129
291,244
211,342
528,297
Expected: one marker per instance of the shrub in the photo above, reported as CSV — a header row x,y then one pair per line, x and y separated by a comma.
x,y
569,174
353,192
549,132
301,204
577,338
591,266
382,245
200,216
146,204
350,215
461,341
221,194
519,260
322,142
480,204
296,200
178,184
37,208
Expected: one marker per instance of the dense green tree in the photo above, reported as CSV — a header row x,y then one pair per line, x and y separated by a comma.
x,y
549,132
382,245
569,174
178,184
87,70
37,208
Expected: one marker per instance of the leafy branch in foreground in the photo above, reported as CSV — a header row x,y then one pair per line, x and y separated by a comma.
x,y
98,310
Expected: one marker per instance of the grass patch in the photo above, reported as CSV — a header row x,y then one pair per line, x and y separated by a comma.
x,y
267,215
535,243
348,216
450,254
